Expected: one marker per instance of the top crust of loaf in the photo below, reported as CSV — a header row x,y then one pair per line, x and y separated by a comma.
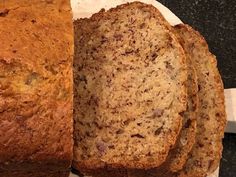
x,y
34,174
113,78
206,153
36,52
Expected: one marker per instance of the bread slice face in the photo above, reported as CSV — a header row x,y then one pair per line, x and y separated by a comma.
x,y
178,156
206,153
129,74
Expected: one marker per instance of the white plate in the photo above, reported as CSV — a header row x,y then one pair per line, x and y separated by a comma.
x,y
85,8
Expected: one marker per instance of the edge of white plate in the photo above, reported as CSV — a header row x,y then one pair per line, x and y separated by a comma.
x,y
230,104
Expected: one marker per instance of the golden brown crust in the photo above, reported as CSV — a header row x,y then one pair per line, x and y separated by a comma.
x,y
36,51
106,172
94,162
34,174
206,153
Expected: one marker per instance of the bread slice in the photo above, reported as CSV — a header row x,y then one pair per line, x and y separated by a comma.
x,y
178,156
129,74
36,52
206,153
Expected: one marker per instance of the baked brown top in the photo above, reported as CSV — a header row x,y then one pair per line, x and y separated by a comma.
x,y
36,52
129,75
34,174
206,153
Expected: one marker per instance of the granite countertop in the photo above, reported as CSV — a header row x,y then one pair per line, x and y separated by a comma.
x,y
216,21
228,162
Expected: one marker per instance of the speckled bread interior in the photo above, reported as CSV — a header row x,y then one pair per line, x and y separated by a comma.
x,y
206,153
129,86
179,154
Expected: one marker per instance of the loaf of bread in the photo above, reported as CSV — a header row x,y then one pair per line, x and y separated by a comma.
x,y
129,86
206,153
148,98
34,174
36,52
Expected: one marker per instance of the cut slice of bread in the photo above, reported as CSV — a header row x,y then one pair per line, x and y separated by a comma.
x,y
178,156
206,153
129,74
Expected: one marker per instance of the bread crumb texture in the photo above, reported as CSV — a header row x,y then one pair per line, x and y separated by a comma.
x,y
206,153
129,75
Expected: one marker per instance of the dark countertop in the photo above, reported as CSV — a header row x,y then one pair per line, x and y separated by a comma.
x,y
228,162
216,21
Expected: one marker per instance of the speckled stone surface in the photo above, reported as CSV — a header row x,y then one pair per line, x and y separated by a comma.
x,y
228,162
216,21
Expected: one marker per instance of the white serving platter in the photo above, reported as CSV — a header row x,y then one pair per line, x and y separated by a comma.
x,y
85,8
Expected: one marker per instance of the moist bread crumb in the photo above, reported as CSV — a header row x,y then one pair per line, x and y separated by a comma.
x,y
206,153
179,154
130,93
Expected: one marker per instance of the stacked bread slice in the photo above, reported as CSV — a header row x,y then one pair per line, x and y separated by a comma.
x,y
206,152
148,97
130,90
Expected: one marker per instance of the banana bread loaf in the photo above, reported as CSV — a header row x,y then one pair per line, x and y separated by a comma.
x,y
36,52
34,174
